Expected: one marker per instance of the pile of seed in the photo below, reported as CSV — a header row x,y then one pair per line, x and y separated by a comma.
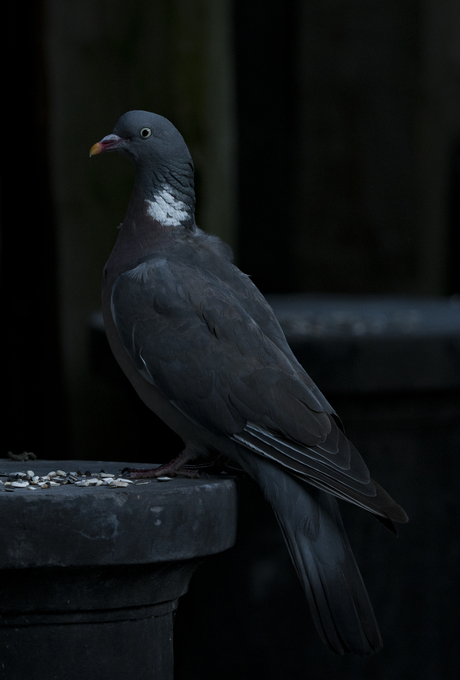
x,y
29,480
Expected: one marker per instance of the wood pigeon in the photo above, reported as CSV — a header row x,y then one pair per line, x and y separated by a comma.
x,y
204,351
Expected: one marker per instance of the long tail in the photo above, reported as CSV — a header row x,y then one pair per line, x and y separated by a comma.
x,y
313,529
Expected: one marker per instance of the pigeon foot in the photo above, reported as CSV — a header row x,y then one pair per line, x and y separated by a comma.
x,y
174,468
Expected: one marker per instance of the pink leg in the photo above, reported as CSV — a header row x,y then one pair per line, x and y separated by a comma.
x,y
171,469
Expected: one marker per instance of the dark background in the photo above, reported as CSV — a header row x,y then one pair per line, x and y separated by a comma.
x,y
326,139
326,142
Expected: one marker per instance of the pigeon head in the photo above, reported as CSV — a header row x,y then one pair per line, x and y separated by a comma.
x,y
164,167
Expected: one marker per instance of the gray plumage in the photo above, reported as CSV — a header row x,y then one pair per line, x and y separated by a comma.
x,y
205,352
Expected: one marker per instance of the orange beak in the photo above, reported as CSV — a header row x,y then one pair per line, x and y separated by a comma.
x,y
95,149
109,143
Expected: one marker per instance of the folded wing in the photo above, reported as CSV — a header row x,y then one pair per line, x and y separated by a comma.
x,y
213,347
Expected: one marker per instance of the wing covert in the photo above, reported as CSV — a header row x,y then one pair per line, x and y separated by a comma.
x,y
189,334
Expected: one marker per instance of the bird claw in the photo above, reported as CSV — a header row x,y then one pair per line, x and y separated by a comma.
x,y
167,470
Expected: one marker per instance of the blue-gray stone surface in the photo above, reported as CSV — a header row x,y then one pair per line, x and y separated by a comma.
x,y
138,524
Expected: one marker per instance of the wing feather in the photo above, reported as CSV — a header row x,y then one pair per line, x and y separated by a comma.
x,y
211,344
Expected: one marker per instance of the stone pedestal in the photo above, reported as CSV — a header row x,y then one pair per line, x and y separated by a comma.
x,y
91,576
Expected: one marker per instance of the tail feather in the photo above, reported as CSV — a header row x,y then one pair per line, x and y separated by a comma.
x,y
314,533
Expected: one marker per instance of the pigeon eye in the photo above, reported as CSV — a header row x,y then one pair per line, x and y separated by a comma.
x,y
145,132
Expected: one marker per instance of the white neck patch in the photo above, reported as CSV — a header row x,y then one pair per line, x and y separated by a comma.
x,y
166,209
